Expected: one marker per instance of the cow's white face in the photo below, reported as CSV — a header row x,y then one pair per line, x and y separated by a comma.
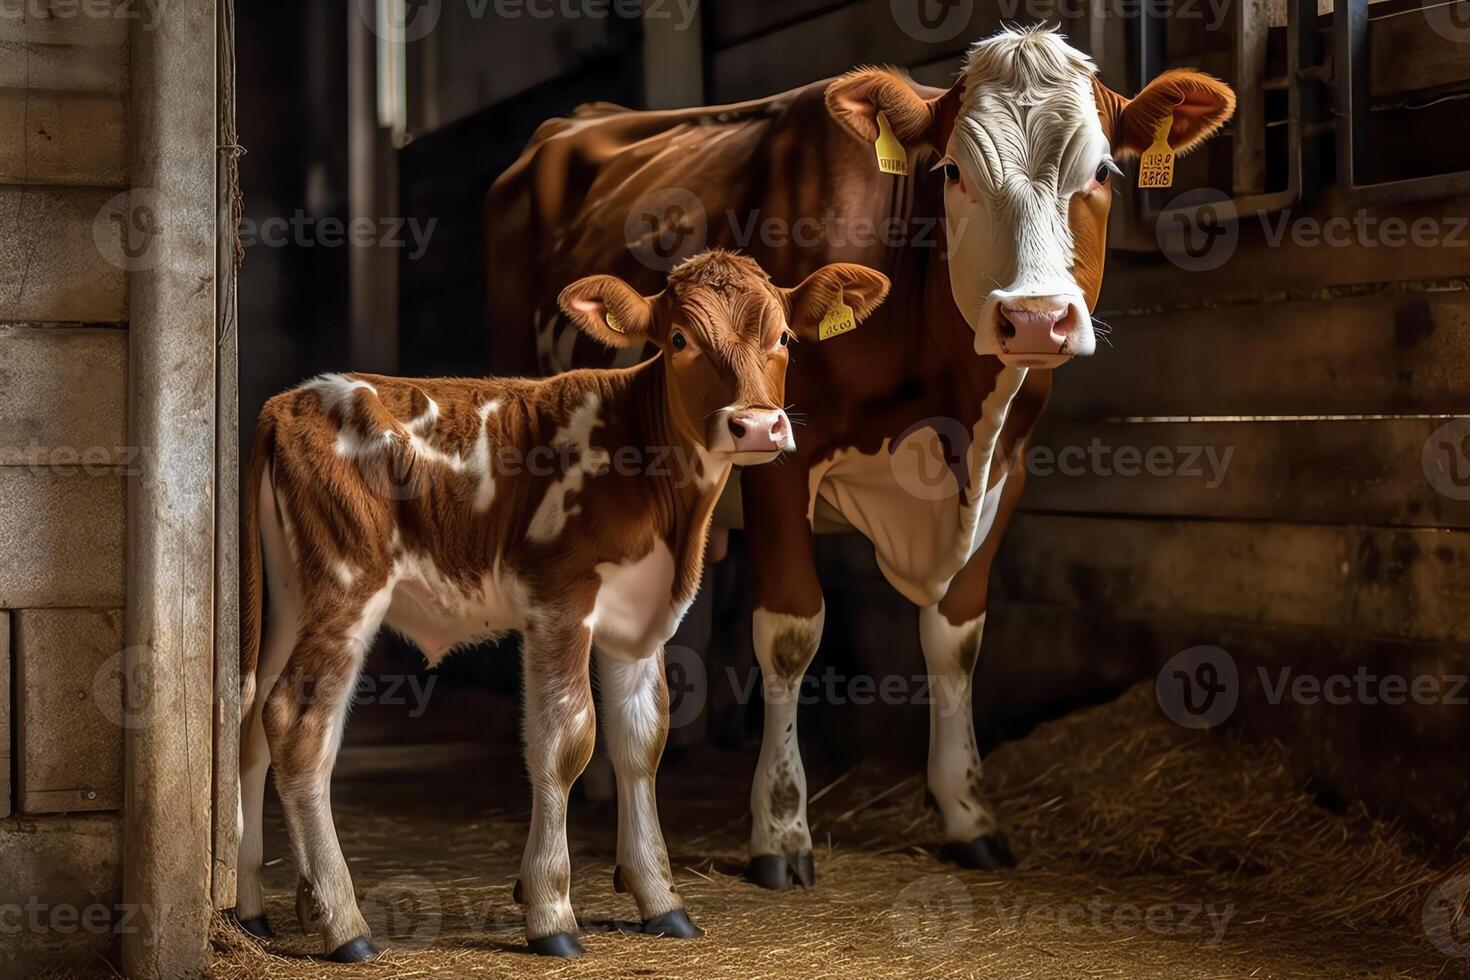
x,y
1026,142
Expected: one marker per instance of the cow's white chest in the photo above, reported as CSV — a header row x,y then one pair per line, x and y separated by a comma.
x,y
635,611
438,615
923,523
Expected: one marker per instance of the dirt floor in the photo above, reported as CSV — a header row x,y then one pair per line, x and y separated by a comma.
x,y
1145,851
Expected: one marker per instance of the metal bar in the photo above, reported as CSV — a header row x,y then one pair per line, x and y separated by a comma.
x,y
1252,27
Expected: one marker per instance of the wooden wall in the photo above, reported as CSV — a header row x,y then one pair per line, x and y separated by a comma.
x,y
63,441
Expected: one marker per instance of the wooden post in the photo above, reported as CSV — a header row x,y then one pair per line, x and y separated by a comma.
x,y
673,57
169,666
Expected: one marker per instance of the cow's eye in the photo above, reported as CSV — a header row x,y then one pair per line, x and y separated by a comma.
x,y
952,172
1102,173
785,338
678,341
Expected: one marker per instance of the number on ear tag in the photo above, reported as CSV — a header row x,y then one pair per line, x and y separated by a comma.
x,y
892,157
1156,167
839,320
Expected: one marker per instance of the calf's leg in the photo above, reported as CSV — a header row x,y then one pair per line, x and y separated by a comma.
x,y
304,719
561,729
635,712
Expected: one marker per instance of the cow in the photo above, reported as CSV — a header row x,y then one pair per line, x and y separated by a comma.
x,y
573,509
994,237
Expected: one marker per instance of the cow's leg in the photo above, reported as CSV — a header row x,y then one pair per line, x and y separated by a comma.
x,y
786,629
635,713
561,728
304,720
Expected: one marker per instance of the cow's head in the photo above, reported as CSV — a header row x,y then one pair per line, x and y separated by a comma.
x,y
725,330
1028,141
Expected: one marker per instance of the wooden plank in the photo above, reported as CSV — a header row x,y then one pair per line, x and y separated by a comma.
x,y
69,709
5,770
804,52
63,395
51,267
1291,255
61,537
1396,353
61,861
1404,760
1346,472
1408,584
733,20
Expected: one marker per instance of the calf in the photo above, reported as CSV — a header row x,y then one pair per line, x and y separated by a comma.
x,y
574,510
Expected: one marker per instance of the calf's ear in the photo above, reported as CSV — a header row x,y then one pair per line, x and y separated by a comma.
x,y
856,285
1199,103
609,310
856,98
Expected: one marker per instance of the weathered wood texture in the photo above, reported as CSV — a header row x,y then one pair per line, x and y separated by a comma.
x,y
62,864
61,537
63,94
5,728
169,668
51,268
63,396
69,706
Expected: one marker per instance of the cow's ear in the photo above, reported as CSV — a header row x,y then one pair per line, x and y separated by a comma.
x,y
856,285
1199,103
609,310
856,98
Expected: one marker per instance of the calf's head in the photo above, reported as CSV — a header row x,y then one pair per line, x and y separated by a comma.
x,y
1028,142
724,330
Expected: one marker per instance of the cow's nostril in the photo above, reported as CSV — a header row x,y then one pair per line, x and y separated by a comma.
x,y
736,429
1007,329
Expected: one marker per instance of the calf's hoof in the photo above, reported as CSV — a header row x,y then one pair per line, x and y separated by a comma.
x,y
777,871
359,950
674,924
562,944
987,853
257,926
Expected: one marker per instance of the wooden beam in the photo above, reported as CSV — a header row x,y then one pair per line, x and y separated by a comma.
x,y
169,667
673,57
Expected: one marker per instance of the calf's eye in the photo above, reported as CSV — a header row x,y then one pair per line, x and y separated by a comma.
x,y
677,341
785,338
1102,173
952,173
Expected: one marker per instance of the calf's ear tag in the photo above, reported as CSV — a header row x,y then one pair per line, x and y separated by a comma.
x,y
612,321
839,320
1156,166
892,158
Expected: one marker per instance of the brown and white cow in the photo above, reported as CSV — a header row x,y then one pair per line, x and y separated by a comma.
x,y
1014,162
573,509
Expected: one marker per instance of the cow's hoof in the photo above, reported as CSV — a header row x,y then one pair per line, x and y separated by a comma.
x,y
562,944
359,950
777,872
257,926
987,853
674,924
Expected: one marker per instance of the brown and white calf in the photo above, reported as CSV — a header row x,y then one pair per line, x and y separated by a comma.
x,y
994,240
573,509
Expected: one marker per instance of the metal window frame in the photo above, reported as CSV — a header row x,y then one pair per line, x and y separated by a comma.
x,y
1353,81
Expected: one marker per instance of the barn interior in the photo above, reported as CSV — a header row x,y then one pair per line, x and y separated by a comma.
x,y
1324,550
1287,337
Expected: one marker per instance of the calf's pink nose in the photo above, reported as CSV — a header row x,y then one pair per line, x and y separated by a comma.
x,y
1034,331
760,431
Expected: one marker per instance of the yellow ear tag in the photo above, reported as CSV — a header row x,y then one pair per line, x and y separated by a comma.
x,y
892,157
612,321
1156,167
839,320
